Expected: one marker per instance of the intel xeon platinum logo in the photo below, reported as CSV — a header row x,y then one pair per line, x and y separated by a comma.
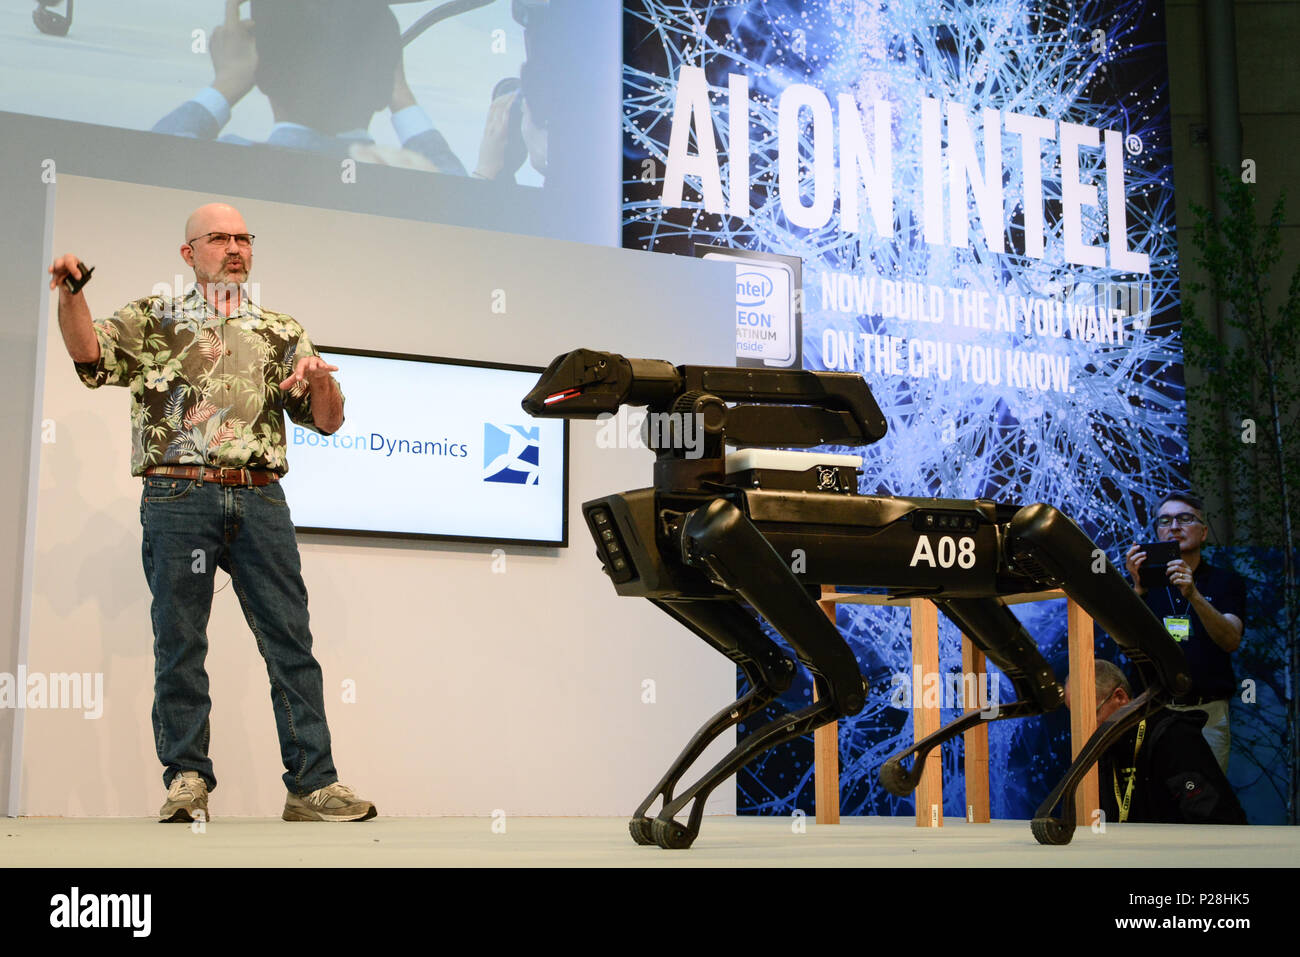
x,y
511,453
753,289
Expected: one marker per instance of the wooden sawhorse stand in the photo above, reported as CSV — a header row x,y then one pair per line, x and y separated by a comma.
x,y
925,720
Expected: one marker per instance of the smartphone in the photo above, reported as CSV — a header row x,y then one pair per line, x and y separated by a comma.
x,y
1159,555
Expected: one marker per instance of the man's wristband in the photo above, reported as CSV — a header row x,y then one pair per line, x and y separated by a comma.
x,y
214,101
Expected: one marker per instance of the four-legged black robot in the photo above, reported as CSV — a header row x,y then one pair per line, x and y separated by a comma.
x,y
707,547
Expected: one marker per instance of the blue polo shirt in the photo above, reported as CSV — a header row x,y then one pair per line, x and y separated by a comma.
x,y
1210,666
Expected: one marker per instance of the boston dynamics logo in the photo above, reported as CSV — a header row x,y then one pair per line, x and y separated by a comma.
x,y
510,454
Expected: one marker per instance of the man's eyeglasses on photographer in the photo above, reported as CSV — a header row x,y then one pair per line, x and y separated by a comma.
x,y
1182,518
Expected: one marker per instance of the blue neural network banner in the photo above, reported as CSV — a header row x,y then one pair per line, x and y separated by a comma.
x,y
982,198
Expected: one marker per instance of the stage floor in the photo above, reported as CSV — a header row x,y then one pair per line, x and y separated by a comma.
x,y
604,842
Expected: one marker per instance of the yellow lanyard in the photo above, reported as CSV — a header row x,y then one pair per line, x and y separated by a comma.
x,y
1128,792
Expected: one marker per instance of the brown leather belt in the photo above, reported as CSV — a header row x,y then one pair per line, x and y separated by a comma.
x,y
218,476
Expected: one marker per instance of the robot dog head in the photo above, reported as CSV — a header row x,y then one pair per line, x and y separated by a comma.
x,y
585,384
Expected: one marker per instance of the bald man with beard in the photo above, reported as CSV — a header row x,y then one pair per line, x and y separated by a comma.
x,y
211,377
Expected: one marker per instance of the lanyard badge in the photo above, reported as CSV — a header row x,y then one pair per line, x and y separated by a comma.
x,y
1131,774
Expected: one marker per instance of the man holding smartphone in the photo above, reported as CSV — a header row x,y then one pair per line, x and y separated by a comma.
x,y
1203,608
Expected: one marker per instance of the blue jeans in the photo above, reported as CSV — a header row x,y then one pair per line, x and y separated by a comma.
x,y
190,530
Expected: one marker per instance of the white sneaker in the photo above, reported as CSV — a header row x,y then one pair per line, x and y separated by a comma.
x,y
334,802
187,799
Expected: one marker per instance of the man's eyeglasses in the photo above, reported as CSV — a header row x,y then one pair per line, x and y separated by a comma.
x,y
242,240
1182,518
1102,703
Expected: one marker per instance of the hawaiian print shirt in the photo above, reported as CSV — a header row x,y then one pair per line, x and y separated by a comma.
x,y
205,388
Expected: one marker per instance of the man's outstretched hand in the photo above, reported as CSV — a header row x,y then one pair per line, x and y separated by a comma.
x,y
234,55
63,267
311,370
402,97
1180,576
1133,560
496,136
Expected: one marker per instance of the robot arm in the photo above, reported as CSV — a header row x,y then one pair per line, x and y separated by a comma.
x,y
790,408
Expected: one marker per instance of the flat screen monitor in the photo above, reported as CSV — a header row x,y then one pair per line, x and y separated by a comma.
x,y
432,448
